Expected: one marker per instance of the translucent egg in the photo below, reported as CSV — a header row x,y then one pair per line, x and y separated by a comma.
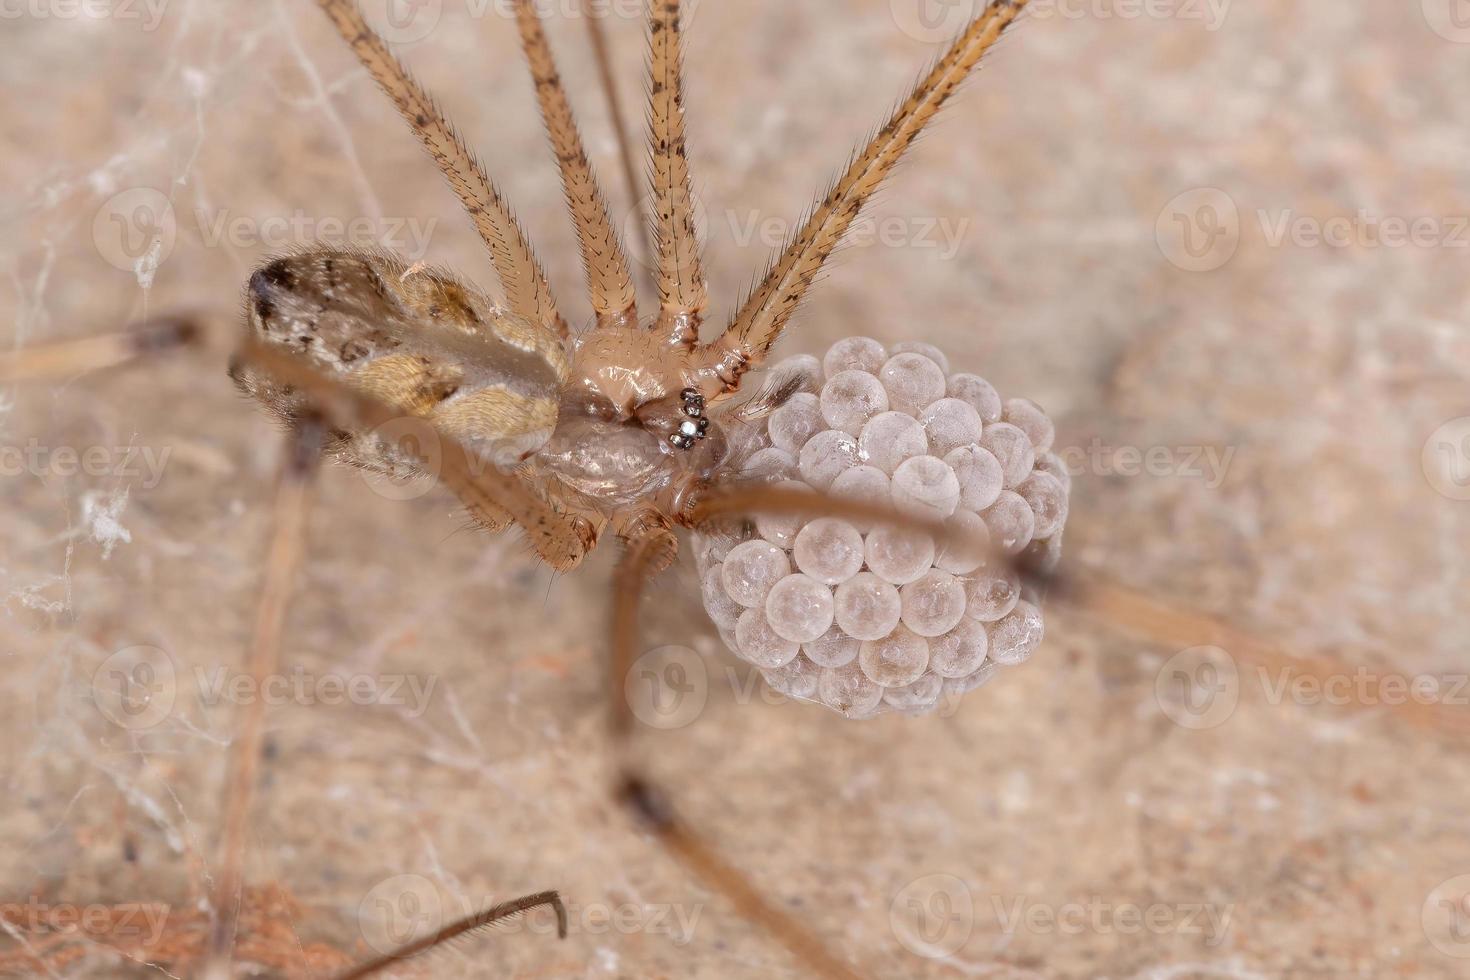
x,y
769,464
760,644
723,610
830,550
898,555
833,648
795,422
850,398
950,423
981,478
1011,523
1015,637
967,548
1052,465
925,486
849,690
854,354
751,569
781,529
1048,502
826,455
799,608
961,651
867,484
960,686
866,607
1027,416
897,659
890,438
800,364
1013,449
913,383
742,440
927,350
933,604
978,392
921,695
991,593
798,679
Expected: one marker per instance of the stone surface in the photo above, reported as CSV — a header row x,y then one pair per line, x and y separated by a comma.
x,y
1319,372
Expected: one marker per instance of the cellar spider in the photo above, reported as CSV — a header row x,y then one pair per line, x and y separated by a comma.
x,y
562,534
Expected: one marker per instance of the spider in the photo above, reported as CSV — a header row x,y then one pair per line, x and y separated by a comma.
x,y
615,430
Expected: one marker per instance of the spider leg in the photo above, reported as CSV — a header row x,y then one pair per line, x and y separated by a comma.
x,y
515,263
633,185
469,924
49,362
1180,629
645,554
765,313
681,285
560,538
1155,620
294,493
608,281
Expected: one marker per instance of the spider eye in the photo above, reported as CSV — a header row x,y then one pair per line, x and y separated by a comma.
x,y
680,441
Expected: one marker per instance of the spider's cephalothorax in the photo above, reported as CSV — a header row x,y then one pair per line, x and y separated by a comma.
x,y
617,426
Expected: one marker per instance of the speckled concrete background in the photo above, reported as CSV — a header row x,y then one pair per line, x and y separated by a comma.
x,y
1228,238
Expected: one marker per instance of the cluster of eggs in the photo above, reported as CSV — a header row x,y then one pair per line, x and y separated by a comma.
x,y
866,616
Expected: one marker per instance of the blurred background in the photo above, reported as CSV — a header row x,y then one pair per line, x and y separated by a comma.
x,y
1223,244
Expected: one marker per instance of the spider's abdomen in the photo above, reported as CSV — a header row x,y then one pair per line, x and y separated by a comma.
x,y
415,338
